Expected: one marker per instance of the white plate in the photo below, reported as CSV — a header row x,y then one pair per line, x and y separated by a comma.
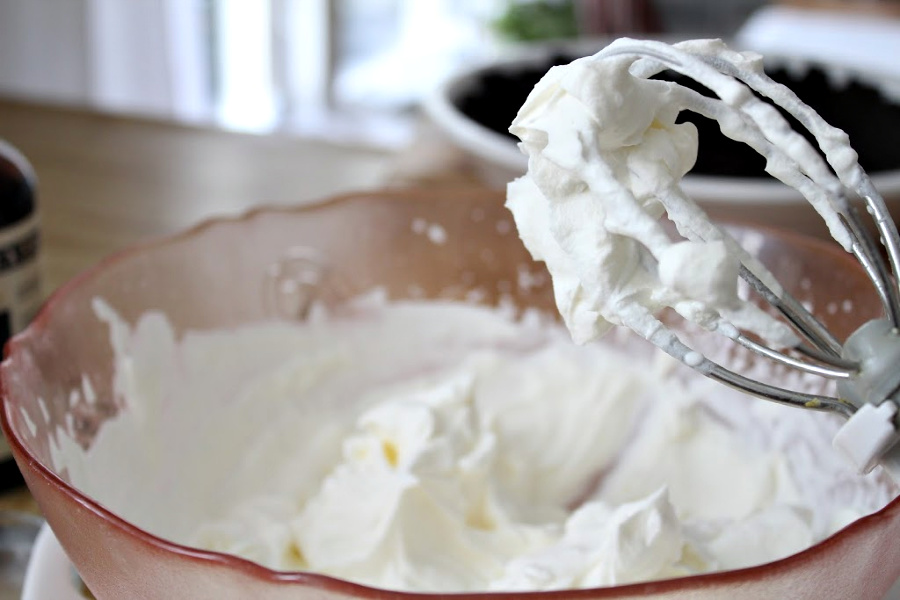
x,y
50,574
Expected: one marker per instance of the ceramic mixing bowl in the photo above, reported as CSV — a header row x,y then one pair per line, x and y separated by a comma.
x,y
268,265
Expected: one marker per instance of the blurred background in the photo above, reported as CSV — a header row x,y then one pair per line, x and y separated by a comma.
x,y
325,96
173,111
351,70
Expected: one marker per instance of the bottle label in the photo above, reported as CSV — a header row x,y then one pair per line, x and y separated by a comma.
x,y
20,280
21,295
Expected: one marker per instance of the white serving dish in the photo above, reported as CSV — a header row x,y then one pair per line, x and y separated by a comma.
x,y
497,160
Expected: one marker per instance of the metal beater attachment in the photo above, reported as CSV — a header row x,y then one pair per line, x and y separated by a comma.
x,y
867,366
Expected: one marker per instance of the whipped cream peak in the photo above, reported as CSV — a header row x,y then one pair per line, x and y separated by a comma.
x,y
605,545
418,459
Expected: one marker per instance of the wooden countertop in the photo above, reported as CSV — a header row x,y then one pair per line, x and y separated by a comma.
x,y
106,182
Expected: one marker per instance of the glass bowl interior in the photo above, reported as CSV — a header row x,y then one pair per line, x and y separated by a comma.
x,y
271,264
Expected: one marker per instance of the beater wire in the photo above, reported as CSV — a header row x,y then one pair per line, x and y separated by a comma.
x,y
825,370
872,261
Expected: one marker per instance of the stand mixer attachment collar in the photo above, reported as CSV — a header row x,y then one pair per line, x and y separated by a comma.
x,y
874,429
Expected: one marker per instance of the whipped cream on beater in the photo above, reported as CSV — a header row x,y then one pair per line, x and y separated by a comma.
x,y
444,447
605,161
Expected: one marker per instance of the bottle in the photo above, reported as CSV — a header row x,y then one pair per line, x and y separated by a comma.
x,y
20,279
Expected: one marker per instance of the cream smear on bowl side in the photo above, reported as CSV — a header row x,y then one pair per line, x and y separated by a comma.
x,y
440,446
